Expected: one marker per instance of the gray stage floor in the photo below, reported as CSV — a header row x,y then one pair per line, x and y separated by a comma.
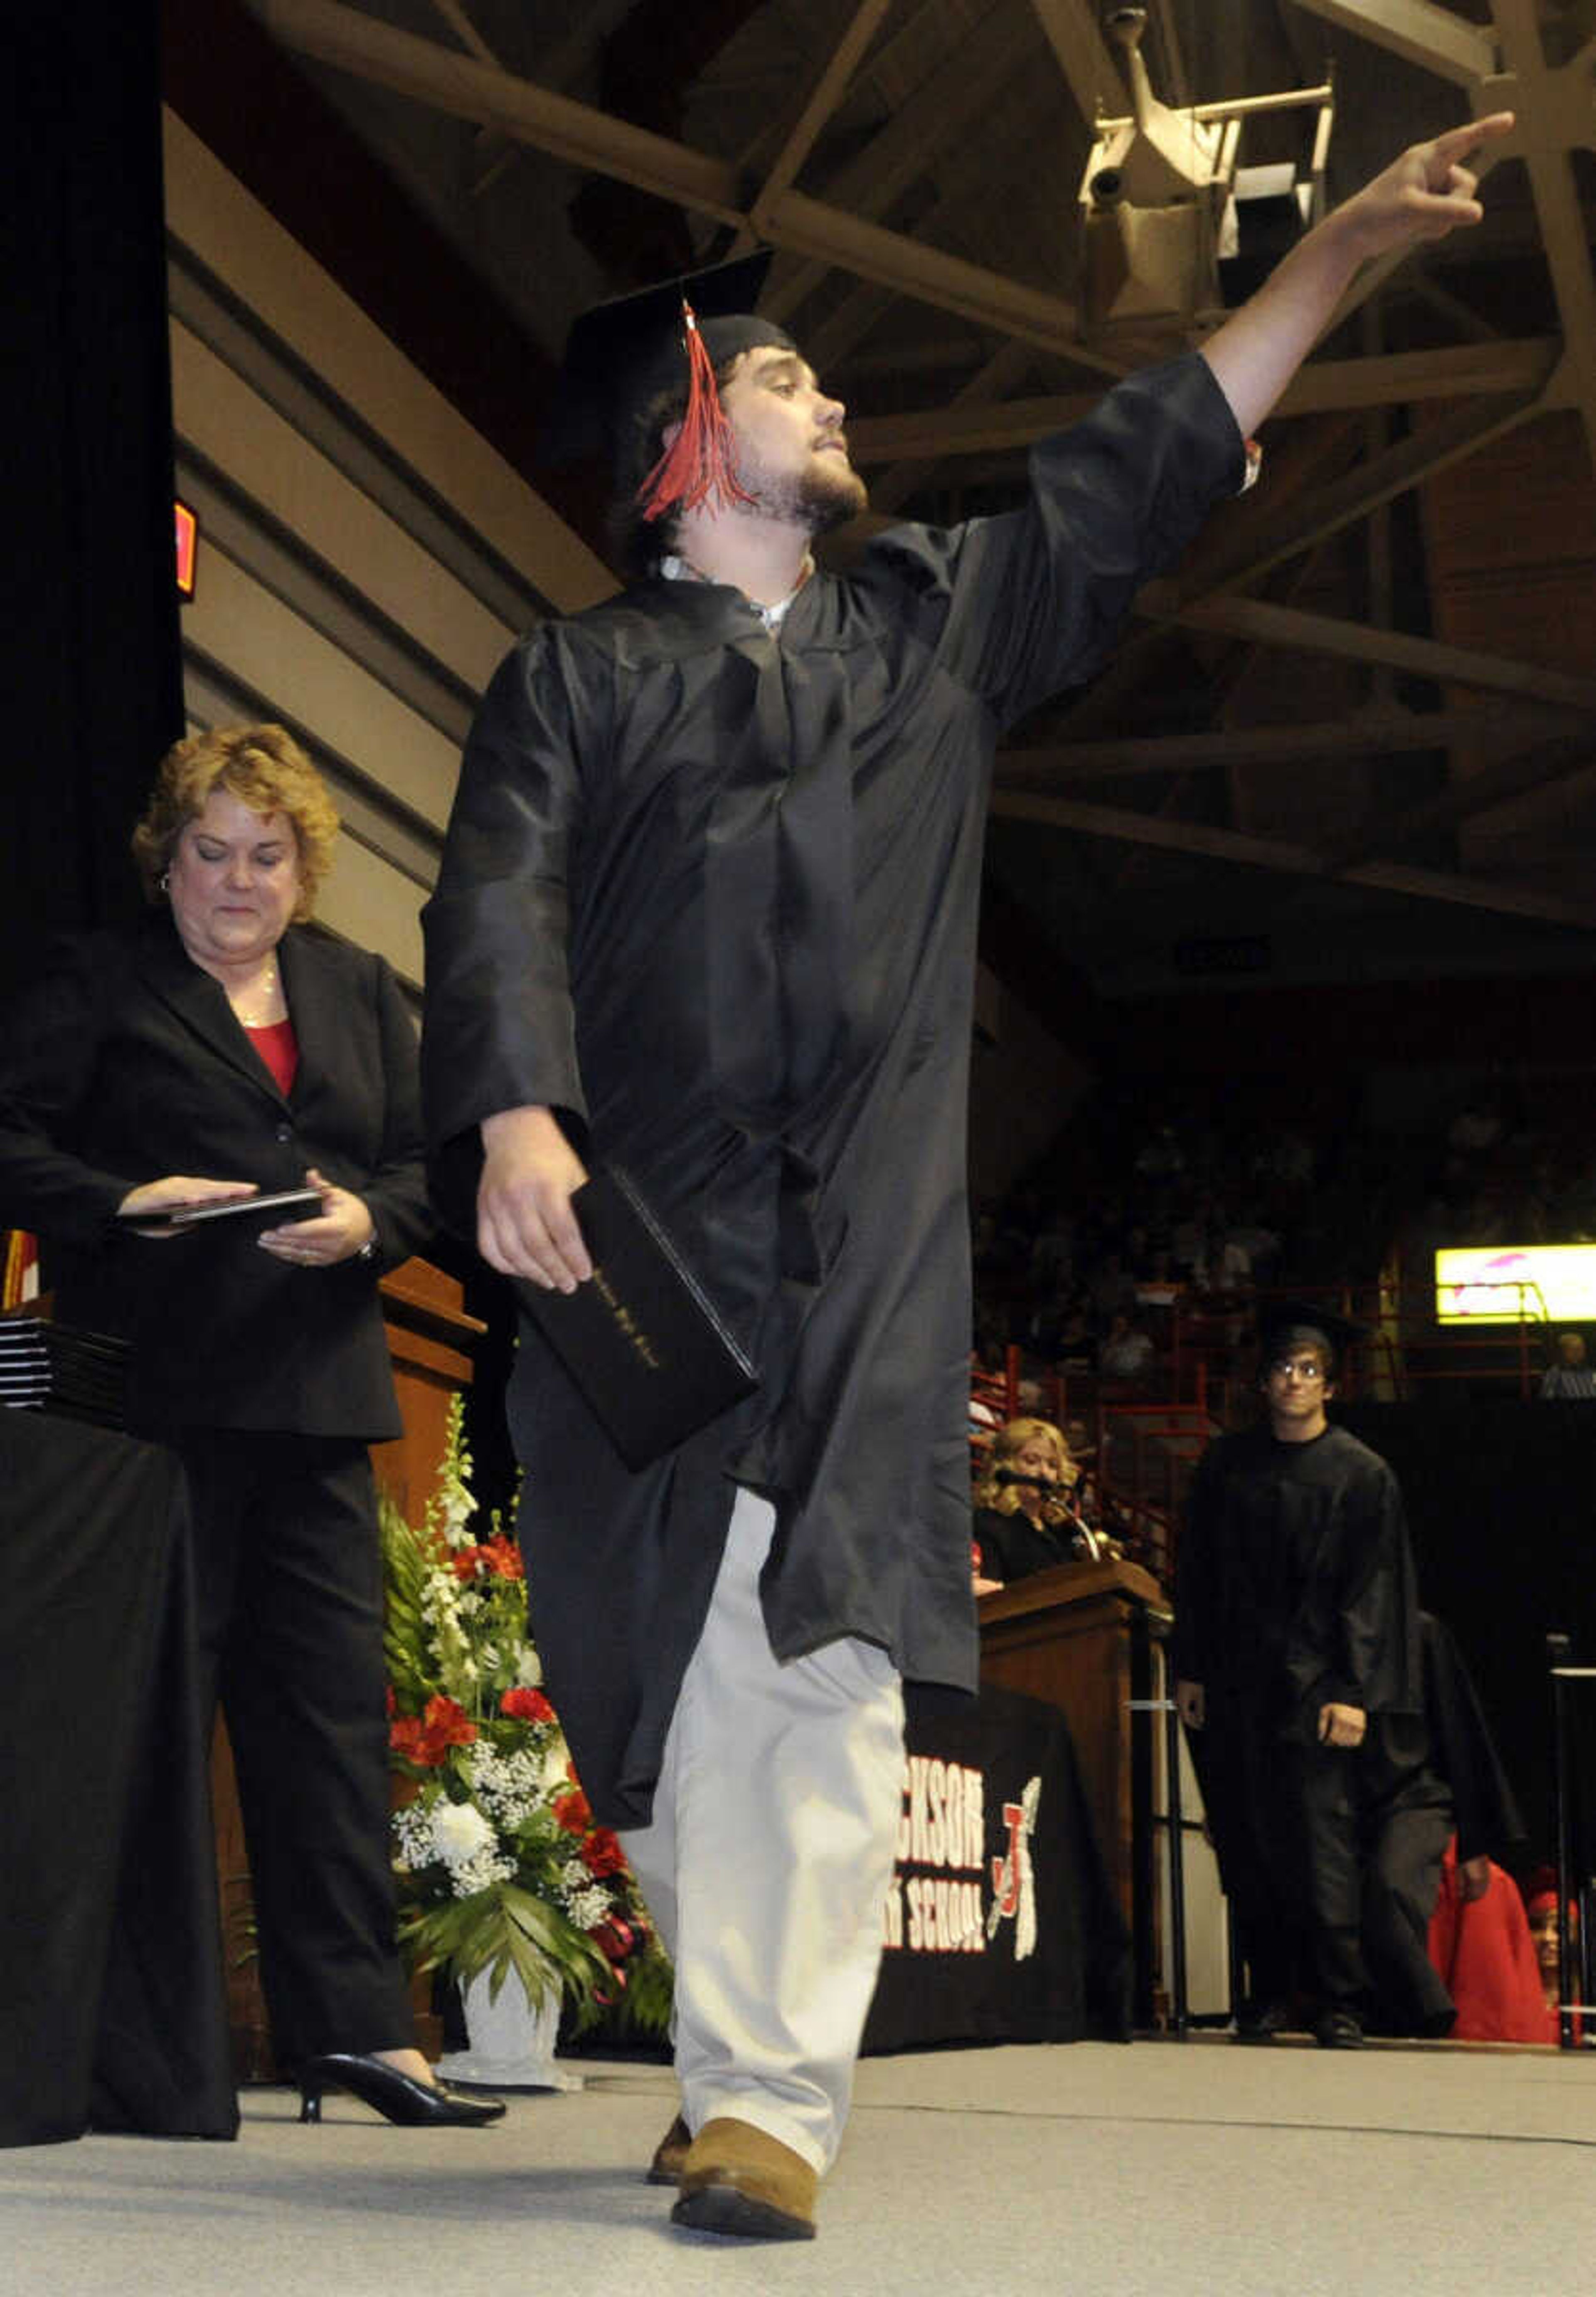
x,y
1287,2172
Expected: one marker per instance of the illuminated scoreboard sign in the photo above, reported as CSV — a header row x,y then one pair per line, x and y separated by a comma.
x,y
1500,1283
188,548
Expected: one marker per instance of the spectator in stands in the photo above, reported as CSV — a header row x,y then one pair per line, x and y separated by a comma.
x,y
1024,1520
1073,1347
1571,1379
1113,1290
1127,1353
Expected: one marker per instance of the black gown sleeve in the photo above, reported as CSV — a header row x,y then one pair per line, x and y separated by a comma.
x,y
500,1030
1038,594
1366,1653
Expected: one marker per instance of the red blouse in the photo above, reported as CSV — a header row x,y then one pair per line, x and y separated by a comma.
x,y
279,1049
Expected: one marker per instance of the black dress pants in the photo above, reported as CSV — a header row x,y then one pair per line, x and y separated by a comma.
x,y
290,1605
1287,1821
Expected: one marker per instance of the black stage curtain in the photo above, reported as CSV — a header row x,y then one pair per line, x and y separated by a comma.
x,y
94,696
1502,1500
114,2003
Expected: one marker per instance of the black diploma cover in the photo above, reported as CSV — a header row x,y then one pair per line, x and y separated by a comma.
x,y
641,1338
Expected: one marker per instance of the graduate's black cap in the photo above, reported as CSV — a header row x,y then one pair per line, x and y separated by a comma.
x,y
1287,1324
624,354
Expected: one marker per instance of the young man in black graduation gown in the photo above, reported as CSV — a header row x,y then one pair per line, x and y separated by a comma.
x,y
1297,1638
707,911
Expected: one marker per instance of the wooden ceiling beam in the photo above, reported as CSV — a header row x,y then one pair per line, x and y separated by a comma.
x,y
1258,622
1540,101
836,79
1500,783
1090,74
1372,733
1433,37
1299,526
461,85
1475,370
1208,844
964,87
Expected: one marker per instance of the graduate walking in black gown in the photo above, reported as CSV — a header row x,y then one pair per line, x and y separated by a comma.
x,y
1296,1630
707,911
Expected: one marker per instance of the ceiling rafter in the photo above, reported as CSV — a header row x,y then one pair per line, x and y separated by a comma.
x,y
1500,783
350,41
1542,135
961,88
1418,31
1258,621
1388,379
1203,842
1376,480
828,93
845,326
1092,75
1373,733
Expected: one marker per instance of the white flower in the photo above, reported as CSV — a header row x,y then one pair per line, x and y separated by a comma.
x,y
413,1833
488,1866
459,1832
528,1668
456,1508
588,1907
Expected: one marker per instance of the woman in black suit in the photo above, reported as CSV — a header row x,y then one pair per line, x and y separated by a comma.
x,y
228,1048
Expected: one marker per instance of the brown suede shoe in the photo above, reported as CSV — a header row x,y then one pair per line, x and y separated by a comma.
x,y
738,2180
671,2155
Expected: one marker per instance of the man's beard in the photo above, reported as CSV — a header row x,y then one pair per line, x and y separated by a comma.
x,y
815,500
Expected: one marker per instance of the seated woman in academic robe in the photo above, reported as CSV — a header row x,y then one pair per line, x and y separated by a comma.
x,y
1023,1518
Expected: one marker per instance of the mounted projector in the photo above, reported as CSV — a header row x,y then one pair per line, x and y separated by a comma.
x,y
1172,226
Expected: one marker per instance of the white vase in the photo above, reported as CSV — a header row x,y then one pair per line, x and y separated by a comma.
x,y
511,2043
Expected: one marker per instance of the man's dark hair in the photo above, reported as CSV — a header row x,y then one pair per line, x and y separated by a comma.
x,y
639,543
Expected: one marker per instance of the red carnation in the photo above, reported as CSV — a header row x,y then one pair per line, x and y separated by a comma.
x,y
526,1707
502,1555
574,1812
448,1722
407,1736
602,1853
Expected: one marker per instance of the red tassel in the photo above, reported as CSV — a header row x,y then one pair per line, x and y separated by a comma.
x,y
697,468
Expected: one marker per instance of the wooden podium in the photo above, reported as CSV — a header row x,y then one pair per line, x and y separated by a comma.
x,y
428,1336
1079,1637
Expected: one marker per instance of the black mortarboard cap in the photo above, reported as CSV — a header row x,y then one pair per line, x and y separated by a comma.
x,y
1294,1323
623,355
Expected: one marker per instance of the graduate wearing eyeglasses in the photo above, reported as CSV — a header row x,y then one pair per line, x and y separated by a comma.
x,y
1296,1630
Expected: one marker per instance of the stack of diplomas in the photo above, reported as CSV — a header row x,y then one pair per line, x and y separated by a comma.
x,y
50,1367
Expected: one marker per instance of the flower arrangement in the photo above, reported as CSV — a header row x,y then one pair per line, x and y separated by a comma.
x,y
501,1865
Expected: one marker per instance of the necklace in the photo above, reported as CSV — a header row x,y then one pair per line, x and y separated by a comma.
x,y
252,1009
675,565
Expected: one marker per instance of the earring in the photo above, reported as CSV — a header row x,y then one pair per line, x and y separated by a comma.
x,y
164,882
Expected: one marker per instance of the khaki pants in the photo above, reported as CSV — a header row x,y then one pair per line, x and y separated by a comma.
x,y
768,1858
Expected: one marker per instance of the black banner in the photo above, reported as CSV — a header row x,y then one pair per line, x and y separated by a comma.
x,y
1000,1924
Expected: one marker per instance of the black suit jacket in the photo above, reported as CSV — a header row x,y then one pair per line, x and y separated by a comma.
x,y
124,1063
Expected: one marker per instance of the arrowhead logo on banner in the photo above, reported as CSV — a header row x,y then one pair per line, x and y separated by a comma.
x,y
1014,1878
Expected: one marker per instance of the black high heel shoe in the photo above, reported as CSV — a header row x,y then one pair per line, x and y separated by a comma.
x,y
399,2097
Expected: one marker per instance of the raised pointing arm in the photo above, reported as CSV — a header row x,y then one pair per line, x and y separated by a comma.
x,y
1426,193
